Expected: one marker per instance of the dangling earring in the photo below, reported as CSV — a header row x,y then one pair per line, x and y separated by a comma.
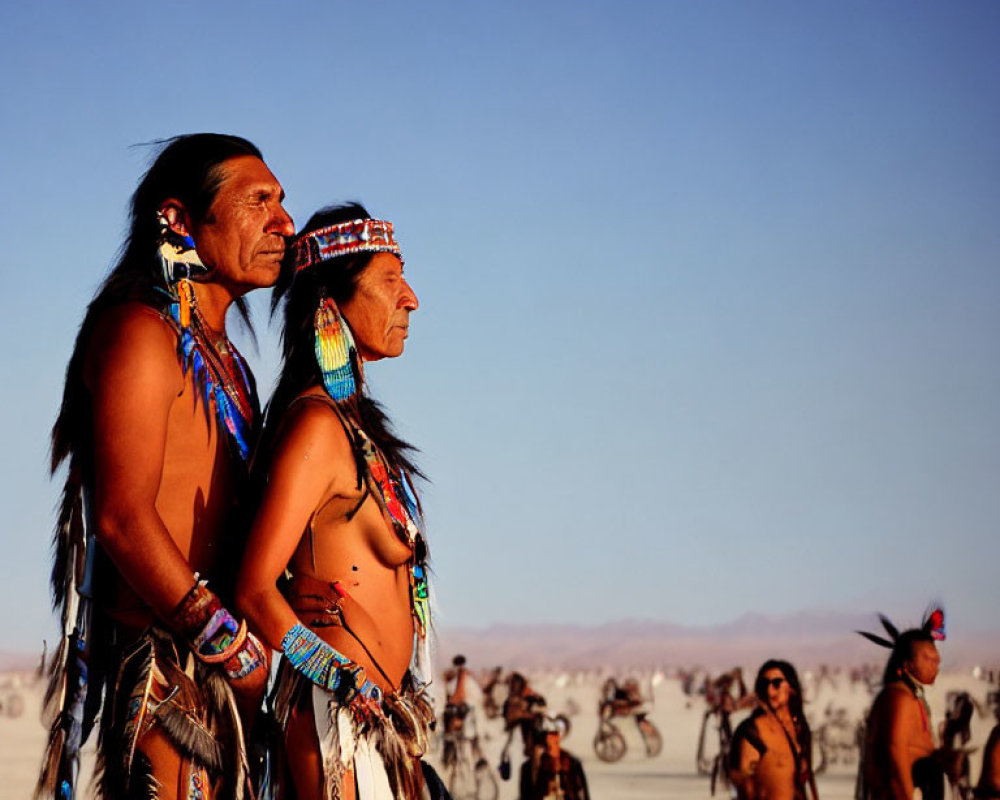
x,y
178,257
335,351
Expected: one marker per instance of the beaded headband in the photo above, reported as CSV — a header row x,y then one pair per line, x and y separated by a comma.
x,y
356,236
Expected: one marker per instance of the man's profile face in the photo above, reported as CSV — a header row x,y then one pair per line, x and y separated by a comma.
x,y
778,689
924,663
379,310
242,238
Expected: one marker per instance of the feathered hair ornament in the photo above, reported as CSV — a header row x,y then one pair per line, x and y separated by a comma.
x,y
891,629
933,624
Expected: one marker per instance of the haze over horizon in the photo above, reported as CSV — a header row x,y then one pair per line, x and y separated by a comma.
x,y
710,297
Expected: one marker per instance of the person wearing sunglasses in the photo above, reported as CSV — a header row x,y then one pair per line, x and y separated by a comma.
x,y
771,754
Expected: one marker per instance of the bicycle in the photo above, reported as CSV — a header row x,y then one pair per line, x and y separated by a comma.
x,y
721,703
624,701
467,773
716,765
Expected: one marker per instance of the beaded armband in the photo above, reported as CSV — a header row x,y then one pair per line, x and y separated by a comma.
x,y
325,667
215,635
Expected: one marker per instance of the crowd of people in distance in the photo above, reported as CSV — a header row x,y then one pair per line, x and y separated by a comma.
x,y
770,752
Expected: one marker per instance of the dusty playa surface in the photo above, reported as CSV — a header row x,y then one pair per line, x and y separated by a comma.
x,y
672,774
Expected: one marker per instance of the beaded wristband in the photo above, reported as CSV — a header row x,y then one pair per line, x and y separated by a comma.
x,y
325,667
215,636
247,659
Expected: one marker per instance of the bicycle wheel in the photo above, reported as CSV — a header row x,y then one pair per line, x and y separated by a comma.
x,y
461,781
487,787
609,744
564,725
651,737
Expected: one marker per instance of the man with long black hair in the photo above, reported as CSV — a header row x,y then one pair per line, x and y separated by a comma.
x,y
156,426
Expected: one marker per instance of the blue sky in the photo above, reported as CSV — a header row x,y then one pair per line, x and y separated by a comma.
x,y
710,289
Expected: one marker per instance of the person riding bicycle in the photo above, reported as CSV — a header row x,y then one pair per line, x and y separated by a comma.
x,y
490,682
622,700
457,707
520,709
719,692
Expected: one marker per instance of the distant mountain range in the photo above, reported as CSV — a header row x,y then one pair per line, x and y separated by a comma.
x,y
807,638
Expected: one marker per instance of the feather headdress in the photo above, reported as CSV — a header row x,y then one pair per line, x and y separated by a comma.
x,y
932,624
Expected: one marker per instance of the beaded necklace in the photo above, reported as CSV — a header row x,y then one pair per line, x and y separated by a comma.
x,y
394,494
222,378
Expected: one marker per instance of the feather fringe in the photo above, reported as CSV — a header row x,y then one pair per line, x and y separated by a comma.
x,y
48,778
190,737
142,782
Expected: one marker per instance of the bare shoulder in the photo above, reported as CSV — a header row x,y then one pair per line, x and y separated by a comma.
x,y
133,339
898,702
311,431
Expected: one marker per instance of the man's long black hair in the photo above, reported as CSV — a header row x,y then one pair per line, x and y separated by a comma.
x,y
188,168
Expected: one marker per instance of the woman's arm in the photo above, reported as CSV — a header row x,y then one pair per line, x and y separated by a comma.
x,y
304,468
312,461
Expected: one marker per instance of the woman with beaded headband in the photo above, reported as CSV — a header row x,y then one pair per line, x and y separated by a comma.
x,y
337,527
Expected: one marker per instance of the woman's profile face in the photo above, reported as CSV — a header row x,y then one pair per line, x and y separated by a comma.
x,y
379,310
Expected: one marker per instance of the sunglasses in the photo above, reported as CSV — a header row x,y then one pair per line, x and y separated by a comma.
x,y
774,683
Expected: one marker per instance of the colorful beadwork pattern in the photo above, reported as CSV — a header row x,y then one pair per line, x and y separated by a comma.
x,y
222,377
335,351
223,381
345,238
324,666
247,659
178,257
197,783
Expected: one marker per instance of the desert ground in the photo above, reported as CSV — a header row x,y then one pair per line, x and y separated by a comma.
x,y
671,774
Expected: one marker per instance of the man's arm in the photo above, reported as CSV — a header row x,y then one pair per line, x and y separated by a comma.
x,y
902,717
134,376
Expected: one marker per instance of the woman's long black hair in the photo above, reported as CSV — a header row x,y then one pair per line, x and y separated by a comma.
x,y
301,294
794,699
